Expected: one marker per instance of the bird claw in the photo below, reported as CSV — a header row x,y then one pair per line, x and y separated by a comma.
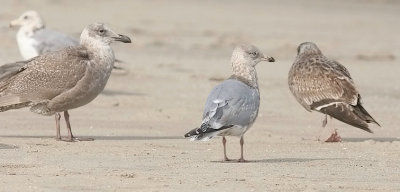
x,y
74,139
241,160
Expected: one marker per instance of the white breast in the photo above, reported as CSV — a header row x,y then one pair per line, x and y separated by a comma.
x,y
26,45
234,131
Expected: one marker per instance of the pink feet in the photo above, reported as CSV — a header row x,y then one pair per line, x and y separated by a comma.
x,y
234,160
227,159
74,139
335,137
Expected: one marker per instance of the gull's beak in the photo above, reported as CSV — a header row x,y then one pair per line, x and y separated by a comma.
x,y
14,23
269,59
122,38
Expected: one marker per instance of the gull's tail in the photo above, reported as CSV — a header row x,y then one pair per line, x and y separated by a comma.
x,y
356,116
205,132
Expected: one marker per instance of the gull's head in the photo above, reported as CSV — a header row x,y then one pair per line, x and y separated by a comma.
x,y
308,48
248,55
100,34
29,20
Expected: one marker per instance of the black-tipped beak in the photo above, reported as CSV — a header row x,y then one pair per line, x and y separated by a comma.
x,y
123,39
269,59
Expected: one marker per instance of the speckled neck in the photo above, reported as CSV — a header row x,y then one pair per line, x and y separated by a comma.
x,y
101,54
245,73
104,55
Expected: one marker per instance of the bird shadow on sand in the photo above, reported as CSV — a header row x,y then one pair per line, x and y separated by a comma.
x,y
5,146
136,137
100,138
280,160
376,139
108,92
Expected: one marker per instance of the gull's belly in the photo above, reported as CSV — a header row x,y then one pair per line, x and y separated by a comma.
x,y
95,85
235,131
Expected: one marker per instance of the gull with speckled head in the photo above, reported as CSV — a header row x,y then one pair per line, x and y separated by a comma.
x,y
34,38
324,85
232,106
58,81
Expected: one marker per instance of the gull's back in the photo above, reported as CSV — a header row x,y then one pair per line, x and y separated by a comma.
x,y
50,40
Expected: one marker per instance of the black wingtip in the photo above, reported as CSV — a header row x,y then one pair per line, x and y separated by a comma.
x,y
367,116
366,129
370,118
191,133
361,126
204,129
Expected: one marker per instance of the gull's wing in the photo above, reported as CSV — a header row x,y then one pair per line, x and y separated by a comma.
x,y
231,103
48,41
10,69
45,77
319,82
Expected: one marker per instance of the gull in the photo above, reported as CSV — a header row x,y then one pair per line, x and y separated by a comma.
x,y
34,38
324,85
232,106
59,81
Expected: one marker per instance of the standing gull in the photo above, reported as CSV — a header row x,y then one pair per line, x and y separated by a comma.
x,y
59,81
232,106
34,38
321,84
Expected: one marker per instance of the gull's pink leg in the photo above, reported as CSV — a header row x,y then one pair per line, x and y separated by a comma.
x,y
58,117
70,136
224,143
241,150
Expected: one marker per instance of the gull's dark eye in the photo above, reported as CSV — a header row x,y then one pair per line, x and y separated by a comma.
x,y
25,17
253,54
101,31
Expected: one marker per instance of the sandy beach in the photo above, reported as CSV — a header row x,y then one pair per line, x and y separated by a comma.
x,y
180,51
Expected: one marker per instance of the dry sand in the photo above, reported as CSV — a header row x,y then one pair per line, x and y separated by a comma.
x,y
179,50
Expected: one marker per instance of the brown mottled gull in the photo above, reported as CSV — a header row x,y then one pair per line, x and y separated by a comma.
x,y
232,106
34,38
321,84
59,81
